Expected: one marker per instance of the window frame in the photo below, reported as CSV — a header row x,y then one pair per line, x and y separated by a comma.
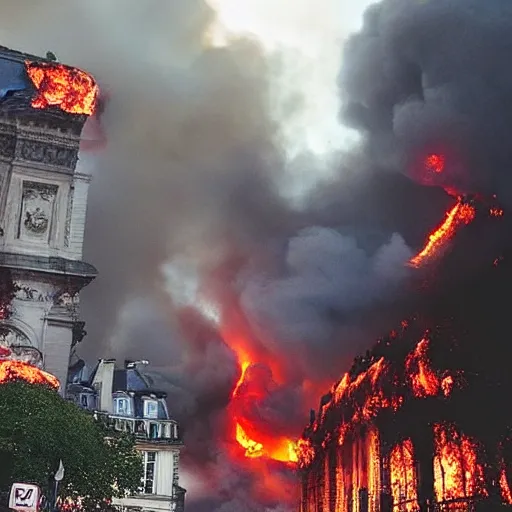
x,y
127,401
147,463
147,402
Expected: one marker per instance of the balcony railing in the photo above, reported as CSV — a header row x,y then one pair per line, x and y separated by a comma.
x,y
151,430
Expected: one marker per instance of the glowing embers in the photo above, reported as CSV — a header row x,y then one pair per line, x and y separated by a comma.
x,y
506,494
11,370
306,452
72,90
496,212
457,473
435,162
461,214
404,483
424,380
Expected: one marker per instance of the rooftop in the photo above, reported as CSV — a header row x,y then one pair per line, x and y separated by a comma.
x,y
37,85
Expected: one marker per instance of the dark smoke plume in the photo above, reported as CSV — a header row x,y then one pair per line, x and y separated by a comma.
x,y
433,77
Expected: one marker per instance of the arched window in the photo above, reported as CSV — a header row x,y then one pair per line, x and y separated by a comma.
x,y
18,346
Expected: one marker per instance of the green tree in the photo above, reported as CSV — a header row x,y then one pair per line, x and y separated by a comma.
x,y
38,428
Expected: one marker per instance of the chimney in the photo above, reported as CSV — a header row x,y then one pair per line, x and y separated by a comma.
x,y
103,383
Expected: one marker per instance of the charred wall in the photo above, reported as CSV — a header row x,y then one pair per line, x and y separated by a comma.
x,y
421,422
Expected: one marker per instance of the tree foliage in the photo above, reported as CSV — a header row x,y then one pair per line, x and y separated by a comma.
x,y
38,428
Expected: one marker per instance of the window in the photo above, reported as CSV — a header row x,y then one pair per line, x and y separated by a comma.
x,y
148,482
150,409
122,406
84,402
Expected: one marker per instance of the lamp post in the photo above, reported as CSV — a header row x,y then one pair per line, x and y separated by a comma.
x,y
59,475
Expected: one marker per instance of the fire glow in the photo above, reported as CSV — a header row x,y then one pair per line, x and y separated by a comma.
x,y
11,370
435,163
72,90
461,214
263,445
458,473
380,387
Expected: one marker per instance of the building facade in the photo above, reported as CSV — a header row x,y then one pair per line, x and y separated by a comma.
x,y
126,398
43,198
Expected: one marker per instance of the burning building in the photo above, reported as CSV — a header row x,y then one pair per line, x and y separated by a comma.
x,y
43,197
418,422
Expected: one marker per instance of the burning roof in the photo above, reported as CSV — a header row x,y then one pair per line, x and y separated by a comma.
x,y
433,378
49,84
72,90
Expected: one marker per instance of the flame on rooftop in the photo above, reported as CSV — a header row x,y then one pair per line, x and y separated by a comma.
x,y
72,90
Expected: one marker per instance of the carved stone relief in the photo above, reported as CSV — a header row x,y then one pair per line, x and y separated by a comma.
x,y
27,293
50,154
67,299
15,345
37,209
7,145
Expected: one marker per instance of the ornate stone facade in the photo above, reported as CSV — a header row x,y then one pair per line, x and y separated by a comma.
x,y
19,346
41,230
48,154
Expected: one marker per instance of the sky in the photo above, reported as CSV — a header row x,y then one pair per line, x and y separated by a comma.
x,y
306,37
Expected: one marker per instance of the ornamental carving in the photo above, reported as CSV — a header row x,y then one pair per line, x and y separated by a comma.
x,y
7,145
15,345
36,221
29,294
42,152
37,210
69,300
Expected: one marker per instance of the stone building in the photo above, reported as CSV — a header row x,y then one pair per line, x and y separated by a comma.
x,y
126,397
43,197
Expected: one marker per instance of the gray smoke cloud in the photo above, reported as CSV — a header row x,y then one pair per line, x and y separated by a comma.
x,y
326,280
433,76
190,170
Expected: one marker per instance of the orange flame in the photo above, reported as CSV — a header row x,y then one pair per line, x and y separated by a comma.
x,y
257,444
505,488
457,472
424,381
403,476
379,388
71,89
460,214
18,370
306,452
252,448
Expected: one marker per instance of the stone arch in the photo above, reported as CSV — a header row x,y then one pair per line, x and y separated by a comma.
x,y
18,346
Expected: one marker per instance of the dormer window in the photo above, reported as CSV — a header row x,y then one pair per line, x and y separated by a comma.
x,y
150,409
122,406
